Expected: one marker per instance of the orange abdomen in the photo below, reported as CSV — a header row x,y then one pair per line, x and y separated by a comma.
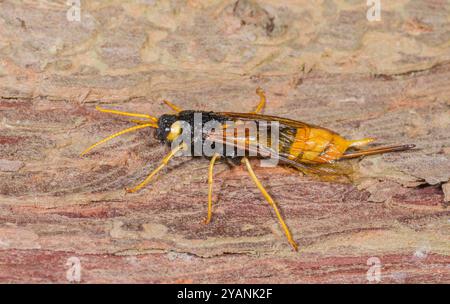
x,y
317,145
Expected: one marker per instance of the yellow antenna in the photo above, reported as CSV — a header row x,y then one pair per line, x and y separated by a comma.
x,y
126,113
149,125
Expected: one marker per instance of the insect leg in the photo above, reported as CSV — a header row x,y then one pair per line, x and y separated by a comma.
x,y
172,106
164,162
210,186
360,142
271,202
147,125
262,100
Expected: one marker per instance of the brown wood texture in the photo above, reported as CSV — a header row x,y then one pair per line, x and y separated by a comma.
x,y
321,62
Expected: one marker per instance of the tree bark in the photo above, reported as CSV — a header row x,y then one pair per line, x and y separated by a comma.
x,y
320,63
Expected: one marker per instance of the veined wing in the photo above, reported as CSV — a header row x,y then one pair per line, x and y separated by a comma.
x,y
235,136
260,117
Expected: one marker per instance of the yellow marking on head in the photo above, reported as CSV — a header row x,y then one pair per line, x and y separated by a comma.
x,y
175,131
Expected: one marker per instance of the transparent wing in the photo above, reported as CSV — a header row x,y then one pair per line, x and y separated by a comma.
x,y
235,136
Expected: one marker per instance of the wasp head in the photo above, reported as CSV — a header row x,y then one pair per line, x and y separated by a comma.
x,y
168,127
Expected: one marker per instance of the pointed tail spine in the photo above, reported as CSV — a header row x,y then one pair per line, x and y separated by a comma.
x,y
378,151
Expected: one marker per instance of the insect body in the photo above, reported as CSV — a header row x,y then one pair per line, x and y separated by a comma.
x,y
299,144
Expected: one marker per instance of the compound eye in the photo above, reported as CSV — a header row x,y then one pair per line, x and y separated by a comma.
x,y
175,130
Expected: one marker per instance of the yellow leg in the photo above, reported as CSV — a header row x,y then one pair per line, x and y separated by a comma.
x,y
172,106
147,125
360,142
164,162
210,186
271,202
126,113
262,100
